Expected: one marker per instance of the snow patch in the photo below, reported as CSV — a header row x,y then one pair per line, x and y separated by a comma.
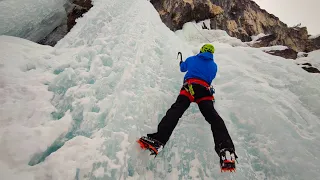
x,y
207,22
255,38
274,48
194,34
314,36
312,58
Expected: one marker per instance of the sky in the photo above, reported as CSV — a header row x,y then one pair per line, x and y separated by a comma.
x,y
293,12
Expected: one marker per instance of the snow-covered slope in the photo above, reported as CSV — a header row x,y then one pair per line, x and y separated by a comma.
x,y
75,111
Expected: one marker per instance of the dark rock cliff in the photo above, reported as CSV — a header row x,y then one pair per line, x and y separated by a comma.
x,y
239,18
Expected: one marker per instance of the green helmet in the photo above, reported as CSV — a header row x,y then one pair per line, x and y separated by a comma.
x,y
207,48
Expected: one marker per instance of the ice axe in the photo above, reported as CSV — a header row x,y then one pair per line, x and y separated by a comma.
x,y
179,53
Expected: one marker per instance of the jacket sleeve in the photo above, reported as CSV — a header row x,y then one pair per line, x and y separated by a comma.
x,y
215,70
184,65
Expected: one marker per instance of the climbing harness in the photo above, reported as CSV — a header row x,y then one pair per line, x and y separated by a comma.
x,y
187,86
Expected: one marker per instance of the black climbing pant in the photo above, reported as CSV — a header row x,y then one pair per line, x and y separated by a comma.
x,y
220,133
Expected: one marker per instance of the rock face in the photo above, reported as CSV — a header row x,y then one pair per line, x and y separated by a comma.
x,y
75,9
79,8
239,18
313,44
287,53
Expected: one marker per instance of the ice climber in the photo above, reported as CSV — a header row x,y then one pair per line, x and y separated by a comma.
x,y
201,70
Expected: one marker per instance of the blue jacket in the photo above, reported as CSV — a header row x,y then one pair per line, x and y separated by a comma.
x,y
201,66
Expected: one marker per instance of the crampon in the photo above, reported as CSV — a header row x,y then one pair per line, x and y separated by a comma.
x,y
152,145
228,166
228,161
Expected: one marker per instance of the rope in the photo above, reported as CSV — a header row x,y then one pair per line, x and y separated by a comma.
x,y
201,33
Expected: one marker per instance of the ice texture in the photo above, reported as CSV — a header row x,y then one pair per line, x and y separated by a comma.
x,y
31,19
76,110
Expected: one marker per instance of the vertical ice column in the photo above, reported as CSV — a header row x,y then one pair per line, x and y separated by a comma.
x,y
31,19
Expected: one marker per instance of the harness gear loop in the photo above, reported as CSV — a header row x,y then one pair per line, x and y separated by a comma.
x,y
212,90
191,91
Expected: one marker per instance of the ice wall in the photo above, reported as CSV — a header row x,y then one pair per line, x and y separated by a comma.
x,y
31,19
111,80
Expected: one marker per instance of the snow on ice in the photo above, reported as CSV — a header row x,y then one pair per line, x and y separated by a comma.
x,y
75,111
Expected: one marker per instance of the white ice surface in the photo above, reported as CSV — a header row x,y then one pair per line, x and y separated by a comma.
x,y
26,127
193,33
207,22
111,80
31,19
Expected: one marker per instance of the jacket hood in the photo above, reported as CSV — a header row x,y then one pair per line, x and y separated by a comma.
x,y
206,56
